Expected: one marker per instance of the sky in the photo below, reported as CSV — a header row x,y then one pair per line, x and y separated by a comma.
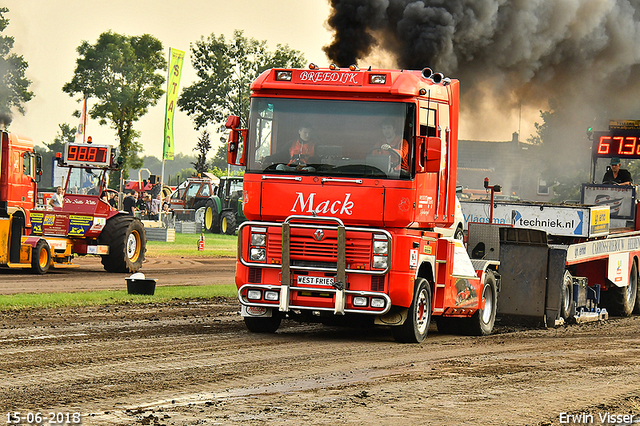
x,y
47,33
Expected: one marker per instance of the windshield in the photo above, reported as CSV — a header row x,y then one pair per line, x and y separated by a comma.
x,y
85,181
331,138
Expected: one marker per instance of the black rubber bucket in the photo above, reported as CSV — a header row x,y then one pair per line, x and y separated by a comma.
x,y
145,286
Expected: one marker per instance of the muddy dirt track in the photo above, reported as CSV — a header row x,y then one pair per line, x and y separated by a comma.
x,y
194,363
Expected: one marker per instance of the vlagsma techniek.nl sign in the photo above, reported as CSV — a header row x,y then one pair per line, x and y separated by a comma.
x,y
583,221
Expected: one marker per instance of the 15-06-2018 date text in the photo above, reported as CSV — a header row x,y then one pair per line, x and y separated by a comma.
x,y
44,418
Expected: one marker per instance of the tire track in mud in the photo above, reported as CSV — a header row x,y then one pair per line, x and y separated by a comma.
x,y
182,358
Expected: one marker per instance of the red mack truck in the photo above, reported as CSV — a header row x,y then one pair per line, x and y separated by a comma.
x,y
348,174
350,177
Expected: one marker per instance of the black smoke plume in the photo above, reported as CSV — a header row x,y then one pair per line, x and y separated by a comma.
x,y
5,120
584,56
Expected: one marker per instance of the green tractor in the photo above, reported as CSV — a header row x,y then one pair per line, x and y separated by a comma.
x,y
223,211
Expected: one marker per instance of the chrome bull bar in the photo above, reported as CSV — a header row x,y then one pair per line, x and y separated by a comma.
x,y
246,302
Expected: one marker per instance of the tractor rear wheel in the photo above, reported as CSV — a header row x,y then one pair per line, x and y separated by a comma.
x,y
41,257
228,223
126,238
211,217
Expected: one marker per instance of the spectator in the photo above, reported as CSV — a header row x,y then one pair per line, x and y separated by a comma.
x,y
58,198
130,202
144,204
154,210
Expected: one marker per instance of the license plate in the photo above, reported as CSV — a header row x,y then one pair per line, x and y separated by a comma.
x,y
307,280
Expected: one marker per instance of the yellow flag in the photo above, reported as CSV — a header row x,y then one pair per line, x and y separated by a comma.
x,y
176,59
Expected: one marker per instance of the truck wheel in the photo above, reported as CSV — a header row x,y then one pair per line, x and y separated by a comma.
x,y
621,300
211,220
263,324
228,223
41,257
568,307
459,234
127,243
483,320
636,308
416,326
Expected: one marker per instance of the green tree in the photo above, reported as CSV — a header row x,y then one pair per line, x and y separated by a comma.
x,y
220,160
225,70
14,90
121,73
203,146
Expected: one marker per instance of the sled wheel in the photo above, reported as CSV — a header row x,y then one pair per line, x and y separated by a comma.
x,y
416,326
228,223
127,243
568,308
621,300
41,257
263,324
211,217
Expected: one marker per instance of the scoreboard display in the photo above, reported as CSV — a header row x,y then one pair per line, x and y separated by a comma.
x,y
622,140
87,155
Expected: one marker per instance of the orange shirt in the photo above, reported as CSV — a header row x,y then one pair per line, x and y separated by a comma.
x,y
303,149
402,151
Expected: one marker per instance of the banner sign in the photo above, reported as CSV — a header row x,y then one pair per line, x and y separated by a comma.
x,y
176,59
82,126
559,220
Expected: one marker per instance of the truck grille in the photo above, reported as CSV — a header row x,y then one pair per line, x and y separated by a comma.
x,y
304,247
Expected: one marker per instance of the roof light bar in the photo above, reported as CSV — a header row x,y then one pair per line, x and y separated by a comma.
x,y
283,75
377,79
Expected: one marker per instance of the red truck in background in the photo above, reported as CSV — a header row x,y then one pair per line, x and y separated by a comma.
x,y
20,170
348,173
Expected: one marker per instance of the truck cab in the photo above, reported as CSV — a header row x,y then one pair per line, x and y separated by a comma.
x,y
349,174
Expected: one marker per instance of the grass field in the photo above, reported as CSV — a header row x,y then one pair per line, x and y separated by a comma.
x,y
112,297
215,245
184,245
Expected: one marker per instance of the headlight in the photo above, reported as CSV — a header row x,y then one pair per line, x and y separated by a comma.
x,y
380,262
258,240
359,301
380,247
271,295
258,254
254,294
376,302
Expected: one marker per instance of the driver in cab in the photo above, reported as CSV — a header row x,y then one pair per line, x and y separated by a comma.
x,y
391,141
617,176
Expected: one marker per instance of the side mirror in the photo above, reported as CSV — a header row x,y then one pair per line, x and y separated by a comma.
x,y
38,174
233,144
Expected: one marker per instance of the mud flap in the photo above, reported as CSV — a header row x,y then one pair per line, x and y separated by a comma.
x,y
555,276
